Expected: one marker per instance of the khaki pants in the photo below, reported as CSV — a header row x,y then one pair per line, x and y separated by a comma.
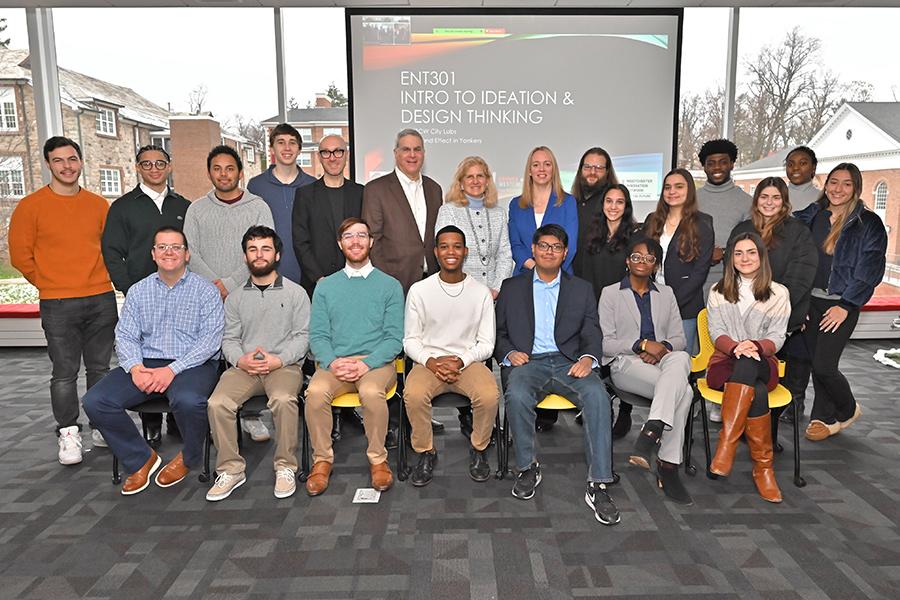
x,y
476,382
236,387
372,388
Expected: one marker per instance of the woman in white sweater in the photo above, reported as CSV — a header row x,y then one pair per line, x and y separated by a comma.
x,y
748,317
471,205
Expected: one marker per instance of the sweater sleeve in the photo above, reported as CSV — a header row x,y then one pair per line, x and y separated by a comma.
x,y
22,234
778,310
232,347
192,233
298,341
114,245
392,332
239,276
717,328
504,264
481,350
414,327
570,224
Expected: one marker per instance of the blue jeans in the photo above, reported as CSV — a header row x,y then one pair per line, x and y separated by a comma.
x,y
106,403
548,374
690,335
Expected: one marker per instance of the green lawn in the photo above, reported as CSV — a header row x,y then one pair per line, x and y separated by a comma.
x,y
8,272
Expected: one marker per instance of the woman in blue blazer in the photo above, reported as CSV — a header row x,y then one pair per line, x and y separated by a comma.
x,y
543,201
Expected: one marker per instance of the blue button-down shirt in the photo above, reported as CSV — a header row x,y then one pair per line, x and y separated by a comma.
x,y
546,297
183,323
648,332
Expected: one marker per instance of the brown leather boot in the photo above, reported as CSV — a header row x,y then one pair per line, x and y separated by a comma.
x,y
759,438
735,405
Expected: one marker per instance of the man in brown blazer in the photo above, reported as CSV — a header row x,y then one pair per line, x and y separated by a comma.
x,y
401,209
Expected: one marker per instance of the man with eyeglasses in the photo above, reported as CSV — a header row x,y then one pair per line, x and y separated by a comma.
x,y
549,342
595,173
167,341
278,186
128,237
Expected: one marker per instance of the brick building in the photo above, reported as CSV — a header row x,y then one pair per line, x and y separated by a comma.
x,y
314,124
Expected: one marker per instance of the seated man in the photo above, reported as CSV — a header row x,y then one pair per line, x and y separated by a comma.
x,y
643,343
355,331
449,332
548,341
167,341
266,323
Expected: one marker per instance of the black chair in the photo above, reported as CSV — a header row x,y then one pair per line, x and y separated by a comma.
x,y
159,404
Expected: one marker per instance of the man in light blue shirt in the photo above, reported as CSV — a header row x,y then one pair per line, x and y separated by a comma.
x,y
168,336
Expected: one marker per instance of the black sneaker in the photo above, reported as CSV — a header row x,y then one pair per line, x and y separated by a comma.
x,y
598,500
479,467
424,471
527,481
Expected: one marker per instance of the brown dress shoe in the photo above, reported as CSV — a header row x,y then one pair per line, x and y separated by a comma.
x,y
173,472
735,406
759,438
382,478
317,482
140,479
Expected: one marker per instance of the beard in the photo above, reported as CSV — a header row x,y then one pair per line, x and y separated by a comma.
x,y
261,271
589,190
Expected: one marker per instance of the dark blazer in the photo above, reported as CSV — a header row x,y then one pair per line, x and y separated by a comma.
x,y
314,224
687,278
794,259
398,249
577,330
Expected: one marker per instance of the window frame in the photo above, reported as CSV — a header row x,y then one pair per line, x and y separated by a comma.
x,y
6,180
118,181
100,121
14,104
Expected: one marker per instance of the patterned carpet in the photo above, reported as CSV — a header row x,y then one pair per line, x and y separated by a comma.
x,y
65,532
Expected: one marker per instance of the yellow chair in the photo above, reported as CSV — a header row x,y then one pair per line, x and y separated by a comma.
x,y
778,398
348,400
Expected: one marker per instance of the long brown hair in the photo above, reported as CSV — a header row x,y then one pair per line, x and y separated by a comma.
x,y
729,285
527,197
689,243
455,194
766,229
840,218
610,178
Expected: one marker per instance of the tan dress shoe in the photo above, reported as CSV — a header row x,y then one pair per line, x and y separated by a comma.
x,y
317,482
818,430
382,478
140,479
173,472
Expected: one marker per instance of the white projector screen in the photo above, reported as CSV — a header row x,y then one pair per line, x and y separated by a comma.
x,y
498,83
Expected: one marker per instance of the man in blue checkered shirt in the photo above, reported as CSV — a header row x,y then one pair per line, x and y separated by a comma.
x,y
167,341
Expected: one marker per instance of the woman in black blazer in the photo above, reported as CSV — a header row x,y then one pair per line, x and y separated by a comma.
x,y
686,236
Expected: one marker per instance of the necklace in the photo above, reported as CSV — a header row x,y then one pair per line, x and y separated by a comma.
x,y
462,288
482,256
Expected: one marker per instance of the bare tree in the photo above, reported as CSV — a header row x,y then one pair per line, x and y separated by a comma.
x,y
248,128
197,98
3,26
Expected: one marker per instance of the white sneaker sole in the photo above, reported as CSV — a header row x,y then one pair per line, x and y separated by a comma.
x,y
217,497
149,478
286,494
68,461
531,495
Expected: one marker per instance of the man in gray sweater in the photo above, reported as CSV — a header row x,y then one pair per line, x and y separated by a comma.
x,y
266,339
215,225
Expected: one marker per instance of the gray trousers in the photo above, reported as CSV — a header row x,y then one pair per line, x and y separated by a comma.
x,y
666,383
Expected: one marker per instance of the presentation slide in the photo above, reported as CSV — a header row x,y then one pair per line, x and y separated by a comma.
x,y
498,84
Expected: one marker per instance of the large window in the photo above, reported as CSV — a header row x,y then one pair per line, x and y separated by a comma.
x,y
332,131
305,159
9,119
106,121
110,182
12,181
306,135
881,196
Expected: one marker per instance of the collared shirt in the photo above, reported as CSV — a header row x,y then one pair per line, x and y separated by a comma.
x,y
183,323
648,332
546,297
363,271
157,197
415,195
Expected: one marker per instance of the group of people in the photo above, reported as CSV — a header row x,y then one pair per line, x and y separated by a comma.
x,y
331,279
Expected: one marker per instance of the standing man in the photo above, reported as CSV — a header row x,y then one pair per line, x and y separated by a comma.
x,y
278,186
449,333
54,240
167,340
266,323
355,331
319,209
128,239
595,173
549,342
215,224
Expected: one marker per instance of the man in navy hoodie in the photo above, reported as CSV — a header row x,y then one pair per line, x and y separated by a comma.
x,y
277,186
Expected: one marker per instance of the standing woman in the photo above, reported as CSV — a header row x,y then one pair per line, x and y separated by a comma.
x,y
608,235
543,201
793,260
687,239
851,242
800,169
471,205
748,317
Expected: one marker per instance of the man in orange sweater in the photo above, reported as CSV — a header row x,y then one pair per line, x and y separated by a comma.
x,y
54,240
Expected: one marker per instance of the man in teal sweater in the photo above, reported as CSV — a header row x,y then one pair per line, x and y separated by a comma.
x,y
355,331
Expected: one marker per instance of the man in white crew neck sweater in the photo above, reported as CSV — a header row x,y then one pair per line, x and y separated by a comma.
x,y
449,332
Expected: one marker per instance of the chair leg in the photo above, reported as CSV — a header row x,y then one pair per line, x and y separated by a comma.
x,y
240,433
207,443
703,416
116,478
402,467
497,435
689,467
504,468
304,450
798,480
776,446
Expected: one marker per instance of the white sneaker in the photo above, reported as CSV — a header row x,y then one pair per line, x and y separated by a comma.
x,y
97,439
224,485
714,411
256,428
69,445
285,483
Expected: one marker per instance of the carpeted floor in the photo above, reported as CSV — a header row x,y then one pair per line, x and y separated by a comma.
x,y
66,532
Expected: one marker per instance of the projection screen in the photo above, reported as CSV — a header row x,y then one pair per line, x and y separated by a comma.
x,y
498,83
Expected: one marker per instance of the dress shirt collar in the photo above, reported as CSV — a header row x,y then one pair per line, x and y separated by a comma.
x,y
406,181
626,285
177,283
157,197
551,284
363,272
279,282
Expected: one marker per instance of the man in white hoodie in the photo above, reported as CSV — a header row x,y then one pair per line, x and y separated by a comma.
x,y
216,224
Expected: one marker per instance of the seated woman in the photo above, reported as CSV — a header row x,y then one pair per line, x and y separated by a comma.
x,y
748,317
793,259
643,343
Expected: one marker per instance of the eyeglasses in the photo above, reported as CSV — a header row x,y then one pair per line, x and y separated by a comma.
x,y
362,235
544,246
587,167
149,164
173,247
337,153
642,258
